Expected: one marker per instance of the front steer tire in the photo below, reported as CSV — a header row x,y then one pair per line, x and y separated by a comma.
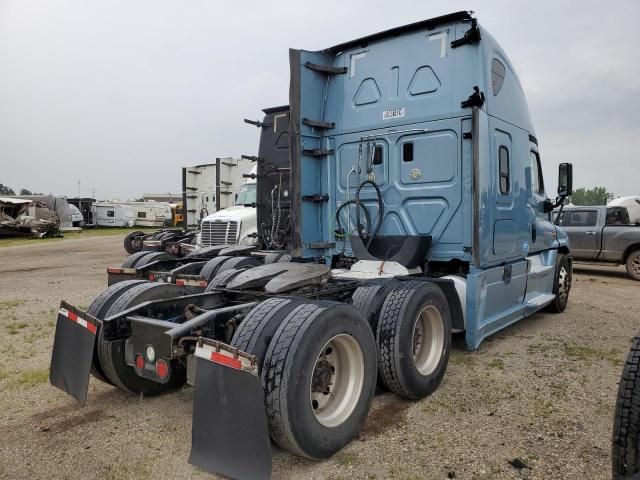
x,y
289,372
561,285
414,339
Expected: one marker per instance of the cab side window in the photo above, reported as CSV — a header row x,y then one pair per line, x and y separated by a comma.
x,y
537,182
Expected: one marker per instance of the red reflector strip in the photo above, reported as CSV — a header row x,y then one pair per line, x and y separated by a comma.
x,y
80,321
224,360
180,282
114,270
202,283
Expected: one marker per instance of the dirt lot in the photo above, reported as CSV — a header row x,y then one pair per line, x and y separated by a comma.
x,y
541,391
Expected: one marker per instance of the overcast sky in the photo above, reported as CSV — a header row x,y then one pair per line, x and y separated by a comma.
x,y
120,94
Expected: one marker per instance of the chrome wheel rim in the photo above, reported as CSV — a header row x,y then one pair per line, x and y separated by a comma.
x,y
564,284
428,340
337,380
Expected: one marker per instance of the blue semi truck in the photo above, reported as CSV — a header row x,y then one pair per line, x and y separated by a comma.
x,y
400,199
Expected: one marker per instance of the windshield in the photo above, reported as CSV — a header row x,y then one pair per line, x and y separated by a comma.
x,y
247,194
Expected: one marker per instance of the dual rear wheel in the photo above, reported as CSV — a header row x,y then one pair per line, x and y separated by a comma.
x,y
109,363
319,362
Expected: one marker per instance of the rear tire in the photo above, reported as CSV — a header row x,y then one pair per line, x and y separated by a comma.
x,y
561,285
319,377
133,242
153,257
221,279
239,262
625,451
112,354
210,269
276,258
98,309
633,265
257,329
132,260
414,338
368,299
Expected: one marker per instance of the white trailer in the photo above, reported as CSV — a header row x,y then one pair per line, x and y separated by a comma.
x,y
211,187
109,214
151,214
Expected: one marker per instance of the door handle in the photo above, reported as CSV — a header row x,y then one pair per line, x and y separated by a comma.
x,y
589,233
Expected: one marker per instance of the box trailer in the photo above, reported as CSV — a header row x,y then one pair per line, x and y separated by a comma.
x,y
416,208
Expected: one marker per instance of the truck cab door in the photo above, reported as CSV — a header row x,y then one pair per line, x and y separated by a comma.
x,y
541,229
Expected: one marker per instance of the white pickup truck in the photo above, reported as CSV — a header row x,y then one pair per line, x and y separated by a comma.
x,y
236,225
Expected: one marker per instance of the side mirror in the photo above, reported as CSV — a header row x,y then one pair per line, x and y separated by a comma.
x,y
565,179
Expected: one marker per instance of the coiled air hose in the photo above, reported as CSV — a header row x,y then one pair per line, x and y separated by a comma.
x,y
338,231
380,211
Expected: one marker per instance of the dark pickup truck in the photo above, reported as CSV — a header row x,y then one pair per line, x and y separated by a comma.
x,y
603,235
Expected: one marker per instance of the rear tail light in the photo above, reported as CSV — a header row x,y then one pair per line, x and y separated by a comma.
x,y
139,362
162,369
152,277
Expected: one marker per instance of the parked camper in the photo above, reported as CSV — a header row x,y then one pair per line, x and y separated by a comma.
x,y
151,214
109,214
77,220
85,205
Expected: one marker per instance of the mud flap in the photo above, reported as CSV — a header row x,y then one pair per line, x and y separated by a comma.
x,y
73,351
229,433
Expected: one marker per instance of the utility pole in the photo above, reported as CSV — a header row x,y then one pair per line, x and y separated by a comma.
x,y
78,188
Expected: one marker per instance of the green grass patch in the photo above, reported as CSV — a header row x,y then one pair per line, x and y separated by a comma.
x,y
582,353
87,233
347,459
8,304
30,378
539,348
497,363
464,359
14,328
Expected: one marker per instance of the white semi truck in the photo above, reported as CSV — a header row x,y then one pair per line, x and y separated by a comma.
x,y
236,224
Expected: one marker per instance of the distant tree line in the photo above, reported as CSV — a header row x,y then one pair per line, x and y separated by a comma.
x,y
591,196
5,190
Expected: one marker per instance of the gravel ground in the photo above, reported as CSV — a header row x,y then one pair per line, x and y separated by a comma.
x,y
542,391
